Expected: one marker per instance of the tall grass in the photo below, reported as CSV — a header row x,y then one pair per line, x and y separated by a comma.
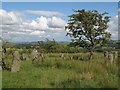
x,y
56,72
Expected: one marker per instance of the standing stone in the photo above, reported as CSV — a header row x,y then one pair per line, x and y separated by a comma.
x,y
0,65
41,56
24,57
75,57
71,57
35,56
3,55
110,57
15,62
62,56
116,55
106,54
79,58
3,66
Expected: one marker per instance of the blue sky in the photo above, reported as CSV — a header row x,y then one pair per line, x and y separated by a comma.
x,y
63,7
33,21
60,0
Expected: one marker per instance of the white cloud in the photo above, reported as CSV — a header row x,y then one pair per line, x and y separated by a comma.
x,y
40,23
113,28
16,32
43,23
37,32
9,18
45,13
56,22
17,28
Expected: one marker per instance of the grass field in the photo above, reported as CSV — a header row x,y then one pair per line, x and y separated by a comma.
x,y
56,72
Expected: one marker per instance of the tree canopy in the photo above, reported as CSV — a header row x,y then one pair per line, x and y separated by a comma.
x,y
88,29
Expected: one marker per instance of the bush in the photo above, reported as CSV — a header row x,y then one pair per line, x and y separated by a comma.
x,y
102,49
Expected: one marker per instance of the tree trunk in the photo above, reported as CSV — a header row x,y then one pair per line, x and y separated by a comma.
x,y
91,55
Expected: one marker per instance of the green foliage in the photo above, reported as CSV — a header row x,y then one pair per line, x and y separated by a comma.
x,y
54,47
47,46
102,49
88,29
59,47
24,46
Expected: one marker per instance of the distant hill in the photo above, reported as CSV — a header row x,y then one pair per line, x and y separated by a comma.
x,y
44,41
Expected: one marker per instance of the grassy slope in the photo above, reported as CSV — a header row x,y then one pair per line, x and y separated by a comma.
x,y
56,72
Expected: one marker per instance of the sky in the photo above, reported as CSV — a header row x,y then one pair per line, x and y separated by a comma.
x,y
60,0
35,21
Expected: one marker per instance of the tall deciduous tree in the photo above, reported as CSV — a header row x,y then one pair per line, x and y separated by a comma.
x,y
88,29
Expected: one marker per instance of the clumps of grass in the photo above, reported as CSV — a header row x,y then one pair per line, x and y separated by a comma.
x,y
56,72
69,83
83,80
112,69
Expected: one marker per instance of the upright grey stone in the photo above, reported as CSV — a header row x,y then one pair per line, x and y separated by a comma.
x,y
15,62
42,57
35,56
106,54
24,57
71,57
110,58
116,55
79,58
0,66
62,56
